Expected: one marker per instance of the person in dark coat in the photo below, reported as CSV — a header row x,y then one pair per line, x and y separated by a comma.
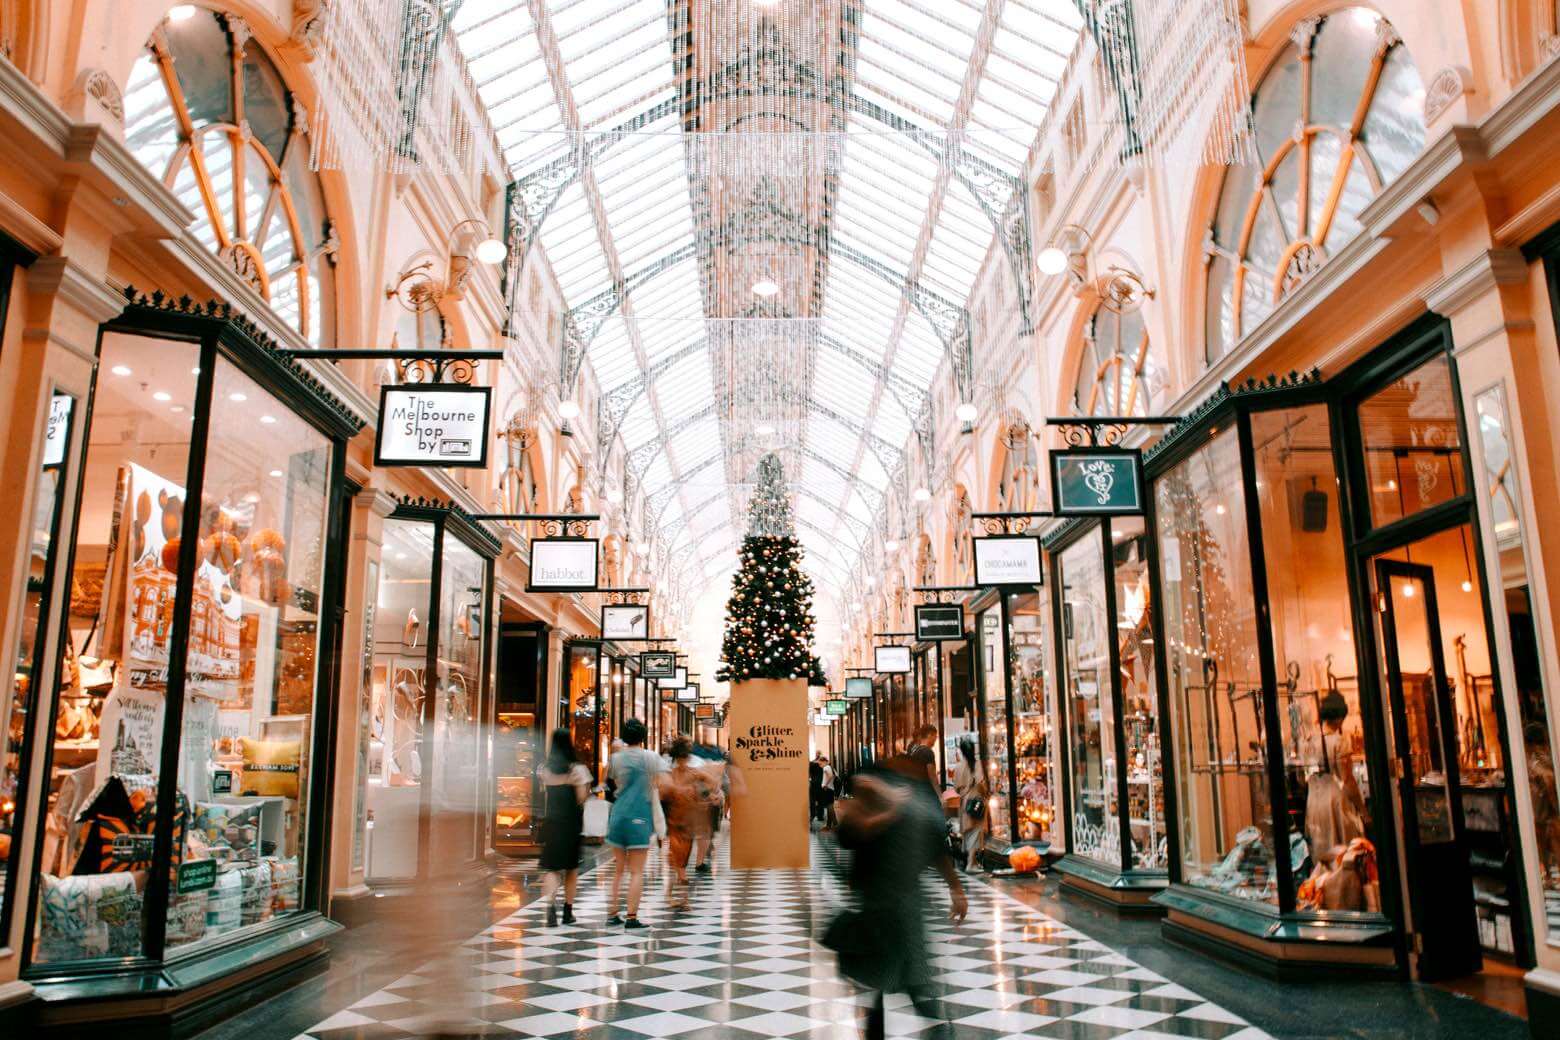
x,y
565,786
894,827
815,788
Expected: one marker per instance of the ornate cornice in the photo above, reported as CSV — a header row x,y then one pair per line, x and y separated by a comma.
x,y
223,312
68,280
1480,275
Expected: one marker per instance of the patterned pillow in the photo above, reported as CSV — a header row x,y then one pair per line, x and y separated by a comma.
x,y
89,915
234,827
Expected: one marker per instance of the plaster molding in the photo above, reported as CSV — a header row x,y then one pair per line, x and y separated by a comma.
x,y
42,338
376,500
91,146
1463,346
1445,88
67,280
1519,111
20,99
1479,276
100,87
27,229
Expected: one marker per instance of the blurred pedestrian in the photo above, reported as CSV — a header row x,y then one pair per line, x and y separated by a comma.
x,y
826,795
635,819
815,788
923,750
687,793
565,786
973,793
895,829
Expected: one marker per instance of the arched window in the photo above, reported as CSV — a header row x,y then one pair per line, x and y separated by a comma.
x,y
1018,485
1117,374
208,113
1339,115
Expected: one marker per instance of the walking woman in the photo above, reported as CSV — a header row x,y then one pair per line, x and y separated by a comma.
x,y
687,792
565,786
971,786
635,818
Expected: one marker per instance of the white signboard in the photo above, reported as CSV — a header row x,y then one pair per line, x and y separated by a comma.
x,y
858,687
443,425
1010,559
892,660
678,681
625,621
688,694
563,565
58,436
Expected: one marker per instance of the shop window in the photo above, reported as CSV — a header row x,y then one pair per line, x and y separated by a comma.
x,y
1096,828
234,582
1217,710
1322,728
457,704
1139,695
248,715
1537,735
1029,657
37,597
206,110
395,769
994,739
1118,373
1337,118
1413,451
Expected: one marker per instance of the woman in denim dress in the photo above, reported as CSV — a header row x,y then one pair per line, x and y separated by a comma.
x,y
631,823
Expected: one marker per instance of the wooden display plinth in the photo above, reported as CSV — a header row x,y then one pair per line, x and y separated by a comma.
x,y
767,721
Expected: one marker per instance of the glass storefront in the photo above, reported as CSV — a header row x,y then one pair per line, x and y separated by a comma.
x,y
1089,709
517,737
581,709
429,705
180,788
1031,683
995,723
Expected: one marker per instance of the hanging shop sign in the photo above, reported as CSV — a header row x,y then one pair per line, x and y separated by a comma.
x,y
858,687
1008,559
1097,481
441,425
835,706
625,621
57,437
676,681
891,660
939,622
689,694
563,565
657,664
704,712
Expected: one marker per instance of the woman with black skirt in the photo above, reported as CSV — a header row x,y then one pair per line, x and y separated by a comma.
x,y
565,786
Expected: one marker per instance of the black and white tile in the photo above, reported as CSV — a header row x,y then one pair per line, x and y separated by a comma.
x,y
744,962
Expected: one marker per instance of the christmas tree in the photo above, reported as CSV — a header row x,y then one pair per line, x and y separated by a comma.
x,y
769,618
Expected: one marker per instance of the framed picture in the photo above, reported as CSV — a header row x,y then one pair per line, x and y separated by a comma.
x,y
625,621
1097,481
657,664
564,565
1007,559
858,687
891,660
689,694
939,622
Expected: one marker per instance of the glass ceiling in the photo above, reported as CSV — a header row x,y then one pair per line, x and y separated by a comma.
x,y
692,151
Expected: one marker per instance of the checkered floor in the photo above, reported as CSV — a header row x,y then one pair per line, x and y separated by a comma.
x,y
744,962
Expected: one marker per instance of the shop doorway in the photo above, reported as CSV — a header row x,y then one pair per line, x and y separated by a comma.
x,y
1447,738
1422,723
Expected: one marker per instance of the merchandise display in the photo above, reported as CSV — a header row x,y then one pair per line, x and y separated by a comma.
x,y
1089,703
1029,677
994,736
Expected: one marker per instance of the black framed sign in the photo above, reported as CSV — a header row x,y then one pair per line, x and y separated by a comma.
x,y
563,565
625,621
1097,481
444,424
689,694
939,622
657,664
836,706
1008,559
676,681
858,687
704,712
891,660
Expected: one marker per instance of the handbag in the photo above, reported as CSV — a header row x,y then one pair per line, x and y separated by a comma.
x,y
975,807
596,813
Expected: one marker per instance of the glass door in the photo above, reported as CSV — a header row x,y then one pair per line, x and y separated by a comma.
x,y
994,741
1423,727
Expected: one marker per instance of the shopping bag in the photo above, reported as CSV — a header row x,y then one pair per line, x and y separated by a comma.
x,y
596,812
